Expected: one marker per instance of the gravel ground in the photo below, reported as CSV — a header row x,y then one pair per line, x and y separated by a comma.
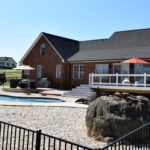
x,y
66,123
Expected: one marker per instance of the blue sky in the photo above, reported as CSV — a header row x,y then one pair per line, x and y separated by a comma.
x,y
21,21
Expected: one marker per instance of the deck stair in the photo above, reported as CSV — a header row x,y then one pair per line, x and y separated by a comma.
x,y
82,91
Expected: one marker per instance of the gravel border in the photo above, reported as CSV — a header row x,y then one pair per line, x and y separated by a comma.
x,y
63,122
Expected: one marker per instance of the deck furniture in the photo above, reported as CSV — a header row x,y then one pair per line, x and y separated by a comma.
x,y
43,83
2,78
13,83
125,81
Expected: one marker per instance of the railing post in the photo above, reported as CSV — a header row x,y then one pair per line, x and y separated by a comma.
x,y
144,79
38,139
116,78
100,80
90,79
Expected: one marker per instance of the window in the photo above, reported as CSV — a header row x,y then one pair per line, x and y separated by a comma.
x,y
78,71
120,68
102,69
26,72
58,71
146,68
39,71
7,64
42,50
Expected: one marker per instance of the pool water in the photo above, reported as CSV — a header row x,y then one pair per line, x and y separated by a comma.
x,y
28,100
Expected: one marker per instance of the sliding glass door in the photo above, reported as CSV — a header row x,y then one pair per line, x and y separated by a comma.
x,y
120,69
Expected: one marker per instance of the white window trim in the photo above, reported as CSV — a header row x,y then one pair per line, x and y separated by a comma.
x,y
78,72
57,72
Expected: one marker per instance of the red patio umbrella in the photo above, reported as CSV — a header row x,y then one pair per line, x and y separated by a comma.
x,y
135,61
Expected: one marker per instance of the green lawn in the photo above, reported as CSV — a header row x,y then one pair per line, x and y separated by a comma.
x,y
11,74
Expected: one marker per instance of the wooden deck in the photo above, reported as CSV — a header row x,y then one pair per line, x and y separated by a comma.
x,y
113,83
126,89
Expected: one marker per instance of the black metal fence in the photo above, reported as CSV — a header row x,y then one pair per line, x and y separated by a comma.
x,y
14,137
138,139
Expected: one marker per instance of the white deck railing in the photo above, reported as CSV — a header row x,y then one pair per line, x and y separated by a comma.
x,y
120,79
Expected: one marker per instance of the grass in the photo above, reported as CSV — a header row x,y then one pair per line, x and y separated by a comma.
x,y
11,74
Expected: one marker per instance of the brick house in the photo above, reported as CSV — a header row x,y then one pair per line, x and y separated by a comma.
x,y
68,63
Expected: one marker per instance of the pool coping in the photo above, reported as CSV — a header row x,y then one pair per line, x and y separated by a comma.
x,y
69,101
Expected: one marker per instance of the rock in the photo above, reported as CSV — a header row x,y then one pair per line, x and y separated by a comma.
x,y
121,95
108,139
82,101
114,116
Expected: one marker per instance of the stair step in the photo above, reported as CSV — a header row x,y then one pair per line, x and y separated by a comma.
x,y
85,85
75,96
79,94
83,90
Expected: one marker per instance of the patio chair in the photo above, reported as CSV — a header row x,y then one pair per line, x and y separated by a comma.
x,y
140,82
2,78
125,81
13,83
33,85
23,84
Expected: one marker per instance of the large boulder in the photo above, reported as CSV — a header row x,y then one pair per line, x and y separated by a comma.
x,y
110,117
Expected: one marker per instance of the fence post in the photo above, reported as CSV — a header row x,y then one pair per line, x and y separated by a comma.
x,y
38,139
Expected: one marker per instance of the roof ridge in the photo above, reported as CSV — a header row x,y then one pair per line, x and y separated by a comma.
x,y
130,30
95,40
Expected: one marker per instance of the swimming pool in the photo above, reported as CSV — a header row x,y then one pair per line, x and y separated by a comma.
x,y
28,100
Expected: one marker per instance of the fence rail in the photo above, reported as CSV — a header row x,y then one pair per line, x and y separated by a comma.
x,y
118,79
14,137
138,139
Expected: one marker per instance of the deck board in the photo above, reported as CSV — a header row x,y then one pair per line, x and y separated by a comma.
x,y
128,89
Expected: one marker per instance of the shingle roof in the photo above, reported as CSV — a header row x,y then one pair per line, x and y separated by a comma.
x,y
4,58
121,45
64,46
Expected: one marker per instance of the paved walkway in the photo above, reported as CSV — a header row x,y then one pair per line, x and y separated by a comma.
x,y
69,101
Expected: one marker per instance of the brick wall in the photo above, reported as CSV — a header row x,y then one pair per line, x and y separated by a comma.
x,y
48,62
89,68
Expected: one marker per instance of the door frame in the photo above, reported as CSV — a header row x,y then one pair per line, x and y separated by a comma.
x,y
121,64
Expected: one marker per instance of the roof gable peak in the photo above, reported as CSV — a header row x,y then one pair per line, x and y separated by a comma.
x,y
57,36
